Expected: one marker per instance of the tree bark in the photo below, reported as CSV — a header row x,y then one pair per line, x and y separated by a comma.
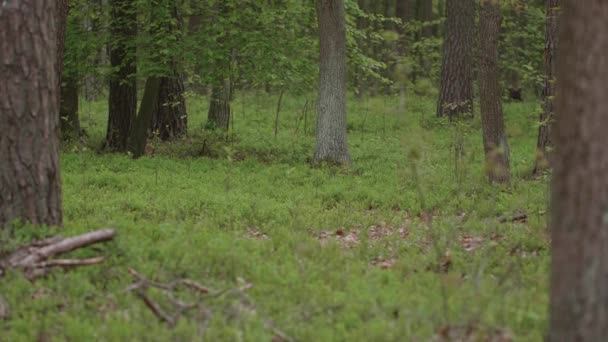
x,y
170,120
426,15
332,146
495,143
123,91
579,225
218,116
68,85
68,109
30,184
149,106
456,90
544,143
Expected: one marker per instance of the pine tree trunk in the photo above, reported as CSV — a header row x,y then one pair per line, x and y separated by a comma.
x,y
579,224
544,143
218,116
331,144
123,91
456,90
30,184
68,86
170,119
149,106
495,143
68,109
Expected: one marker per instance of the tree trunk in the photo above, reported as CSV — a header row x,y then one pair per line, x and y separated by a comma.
x,y
170,119
123,91
495,143
426,15
30,184
331,145
518,9
456,90
149,106
218,116
404,10
68,85
579,225
544,143
68,109
515,91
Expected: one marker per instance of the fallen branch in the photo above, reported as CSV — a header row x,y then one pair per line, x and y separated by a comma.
x,y
34,259
142,284
515,218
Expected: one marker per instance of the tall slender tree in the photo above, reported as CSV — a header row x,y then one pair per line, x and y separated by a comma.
x,y
123,91
456,90
579,224
495,143
332,146
30,185
544,143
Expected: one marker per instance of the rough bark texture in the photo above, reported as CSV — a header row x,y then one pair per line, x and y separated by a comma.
x,y
495,145
219,106
149,106
60,27
170,119
123,91
456,90
30,185
579,224
544,143
68,109
331,145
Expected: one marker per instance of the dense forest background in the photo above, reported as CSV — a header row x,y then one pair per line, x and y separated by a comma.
x,y
285,170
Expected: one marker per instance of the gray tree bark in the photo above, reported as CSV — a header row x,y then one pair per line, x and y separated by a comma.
x,y
544,143
30,41
456,90
218,116
332,146
579,225
495,143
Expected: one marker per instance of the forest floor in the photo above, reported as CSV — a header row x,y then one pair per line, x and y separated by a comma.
x,y
405,245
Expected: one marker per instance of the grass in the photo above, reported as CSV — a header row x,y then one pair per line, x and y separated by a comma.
x,y
251,209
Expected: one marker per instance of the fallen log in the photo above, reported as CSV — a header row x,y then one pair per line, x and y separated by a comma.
x,y
34,259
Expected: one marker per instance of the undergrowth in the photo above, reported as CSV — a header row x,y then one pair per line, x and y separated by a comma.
x,y
249,207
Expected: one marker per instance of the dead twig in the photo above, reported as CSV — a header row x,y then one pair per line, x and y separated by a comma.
x,y
142,284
